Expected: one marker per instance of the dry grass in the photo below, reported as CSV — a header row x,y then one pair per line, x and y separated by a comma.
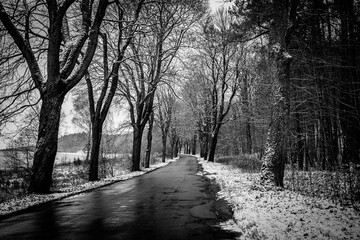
x,y
248,163
341,186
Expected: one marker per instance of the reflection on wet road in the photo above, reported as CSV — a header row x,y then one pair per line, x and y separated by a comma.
x,y
153,206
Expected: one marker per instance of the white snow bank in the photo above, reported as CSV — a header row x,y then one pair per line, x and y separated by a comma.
x,y
29,200
280,214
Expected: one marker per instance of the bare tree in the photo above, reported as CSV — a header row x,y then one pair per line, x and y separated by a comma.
x,y
17,90
81,119
165,109
98,111
165,24
272,170
277,21
64,67
220,58
149,140
174,137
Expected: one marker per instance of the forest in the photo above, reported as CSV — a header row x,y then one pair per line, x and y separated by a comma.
x,y
272,86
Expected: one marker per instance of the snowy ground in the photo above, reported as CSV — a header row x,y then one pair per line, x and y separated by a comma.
x,y
29,200
283,214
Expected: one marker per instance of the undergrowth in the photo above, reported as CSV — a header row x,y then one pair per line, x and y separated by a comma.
x,y
248,163
340,186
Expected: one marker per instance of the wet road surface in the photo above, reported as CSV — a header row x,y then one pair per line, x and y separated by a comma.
x,y
163,204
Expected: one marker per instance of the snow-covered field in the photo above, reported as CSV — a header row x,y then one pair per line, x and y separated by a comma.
x,y
279,214
29,200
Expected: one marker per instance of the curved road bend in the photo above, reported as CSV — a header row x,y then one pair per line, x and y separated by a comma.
x,y
163,204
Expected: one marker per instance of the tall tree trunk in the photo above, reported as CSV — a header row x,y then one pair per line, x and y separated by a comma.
x,y
172,149
299,143
95,151
88,147
206,146
248,136
213,143
202,146
272,170
350,84
273,166
47,142
335,138
136,153
246,111
149,141
193,148
163,149
164,134
100,110
177,146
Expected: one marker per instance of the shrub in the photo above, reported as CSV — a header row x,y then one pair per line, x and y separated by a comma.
x,y
13,183
248,163
77,162
341,186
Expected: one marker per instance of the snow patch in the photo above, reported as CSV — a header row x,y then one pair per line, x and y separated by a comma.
x,y
279,214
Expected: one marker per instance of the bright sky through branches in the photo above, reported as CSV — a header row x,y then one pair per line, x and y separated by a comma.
x,y
68,127
215,4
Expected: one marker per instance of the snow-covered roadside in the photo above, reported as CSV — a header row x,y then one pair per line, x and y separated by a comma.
x,y
280,214
29,200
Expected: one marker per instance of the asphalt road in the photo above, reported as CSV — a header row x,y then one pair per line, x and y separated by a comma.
x,y
169,203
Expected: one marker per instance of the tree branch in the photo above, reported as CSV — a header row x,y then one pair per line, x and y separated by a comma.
x,y
24,47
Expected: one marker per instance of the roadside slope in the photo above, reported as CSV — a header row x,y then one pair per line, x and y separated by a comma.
x,y
280,214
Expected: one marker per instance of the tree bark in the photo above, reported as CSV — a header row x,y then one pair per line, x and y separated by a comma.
x,y
300,143
163,149
149,141
62,76
46,146
100,110
172,149
206,146
202,148
272,170
187,147
176,149
88,147
193,148
95,151
246,111
213,143
136,153
248,136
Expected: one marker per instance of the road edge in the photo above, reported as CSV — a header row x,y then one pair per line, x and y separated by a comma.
x,y
71,194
